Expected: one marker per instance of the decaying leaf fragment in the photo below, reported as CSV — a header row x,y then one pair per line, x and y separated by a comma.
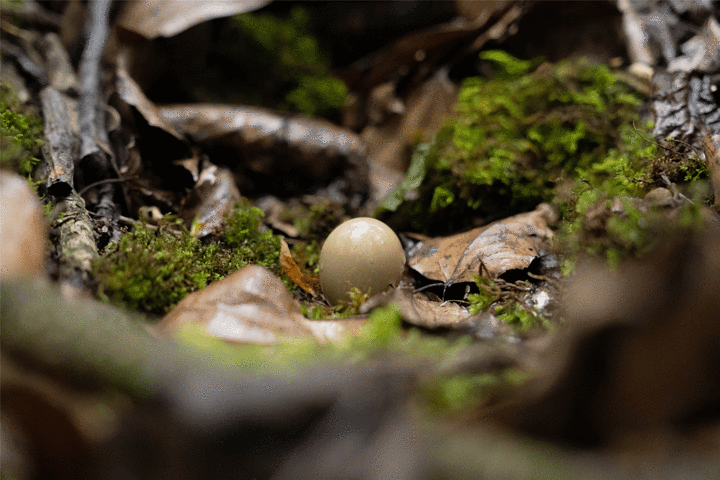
x,y
491,250
251,305
294,152
213,197
130,92
166,18
292,270
422,311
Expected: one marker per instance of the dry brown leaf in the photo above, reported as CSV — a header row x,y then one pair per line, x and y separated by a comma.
x,y
131,93
22,228
419,310
251,305
258,133
390,143
292,270
431,45
491,250
166,18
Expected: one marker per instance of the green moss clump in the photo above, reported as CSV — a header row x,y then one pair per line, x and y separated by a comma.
x,y
21,134
604,217
248,242
616,228
515,138
507,306
153,270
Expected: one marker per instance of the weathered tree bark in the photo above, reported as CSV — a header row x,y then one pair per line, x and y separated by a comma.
x,y
60,142
75,239
92,124
60,71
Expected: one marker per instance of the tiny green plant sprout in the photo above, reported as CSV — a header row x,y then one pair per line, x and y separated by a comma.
x,y
361,253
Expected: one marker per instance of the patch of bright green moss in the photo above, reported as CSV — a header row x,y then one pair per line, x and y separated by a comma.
x,y
514,139
152,270
248,242
21,134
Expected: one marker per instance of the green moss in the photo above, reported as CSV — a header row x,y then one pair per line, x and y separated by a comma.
x,y
153,270
615,236
248,242
489,293
457,393
514,139
21,134
506,305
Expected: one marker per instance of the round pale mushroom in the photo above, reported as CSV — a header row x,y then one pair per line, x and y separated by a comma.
x,y
361,253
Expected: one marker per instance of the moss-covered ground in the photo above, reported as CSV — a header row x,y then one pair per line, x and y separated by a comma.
x,y
568,134
519,138
152,269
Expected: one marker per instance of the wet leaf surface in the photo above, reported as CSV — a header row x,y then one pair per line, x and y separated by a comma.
x,y
251,305
295,154
166,18
492,250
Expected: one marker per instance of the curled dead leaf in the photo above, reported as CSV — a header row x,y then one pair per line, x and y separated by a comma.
x,y
292,270
213,196
491,250
166,18
418,309
251,305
